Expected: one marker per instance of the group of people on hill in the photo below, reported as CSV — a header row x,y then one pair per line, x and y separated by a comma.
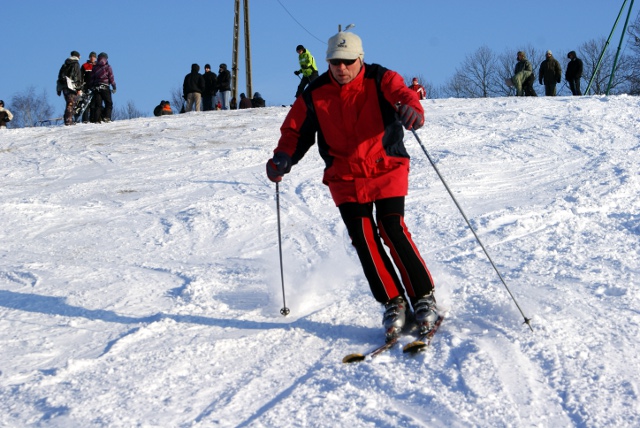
x,y
92,81
549,74
208,91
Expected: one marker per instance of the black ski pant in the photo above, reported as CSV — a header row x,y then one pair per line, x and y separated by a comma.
x,y
574,85
305,81
367,235
101,94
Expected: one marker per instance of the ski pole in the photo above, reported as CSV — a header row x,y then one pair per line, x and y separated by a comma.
x,y
284,311
527,321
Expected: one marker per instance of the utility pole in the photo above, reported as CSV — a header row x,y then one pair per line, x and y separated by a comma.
x,y
236,50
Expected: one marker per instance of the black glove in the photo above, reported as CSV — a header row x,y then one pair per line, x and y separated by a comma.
x,y
410,118
278,166
297,72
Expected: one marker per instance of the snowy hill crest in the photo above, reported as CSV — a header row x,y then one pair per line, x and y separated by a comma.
x,y
139,275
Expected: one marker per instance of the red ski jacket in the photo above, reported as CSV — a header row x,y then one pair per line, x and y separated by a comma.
x,y
359,135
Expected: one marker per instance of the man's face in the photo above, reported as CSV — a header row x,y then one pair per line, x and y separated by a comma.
x,y
344,71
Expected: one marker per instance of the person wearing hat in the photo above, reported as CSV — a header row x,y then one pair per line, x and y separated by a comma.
x,y
573,74
551,73
210,88
5,116
224,86
418,88
87,67
308,68
101,78
70,84
357,112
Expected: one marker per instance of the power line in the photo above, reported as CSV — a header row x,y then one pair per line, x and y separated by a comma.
x,y
298,22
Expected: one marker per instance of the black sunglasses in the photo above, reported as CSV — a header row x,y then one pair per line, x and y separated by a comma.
x,y
337,62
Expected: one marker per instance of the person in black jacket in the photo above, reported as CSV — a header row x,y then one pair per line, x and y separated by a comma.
x,y
224,86
70,84
210,88
257,100
193,87
550,73
574,73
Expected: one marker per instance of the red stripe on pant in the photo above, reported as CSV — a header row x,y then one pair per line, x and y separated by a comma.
x,y
413,270
377,266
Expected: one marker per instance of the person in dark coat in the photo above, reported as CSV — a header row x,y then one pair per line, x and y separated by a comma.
x,y
224,86
70,84
192,88
101,78
245,102
258,101
574,73
87,67
551,73
210,88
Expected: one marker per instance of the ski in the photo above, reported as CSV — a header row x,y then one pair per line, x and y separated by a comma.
x,y
352,358
424,340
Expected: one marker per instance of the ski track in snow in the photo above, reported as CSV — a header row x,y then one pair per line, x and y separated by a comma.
x,y
140,282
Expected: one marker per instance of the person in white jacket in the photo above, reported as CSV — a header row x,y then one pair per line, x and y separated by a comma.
x,y
5,116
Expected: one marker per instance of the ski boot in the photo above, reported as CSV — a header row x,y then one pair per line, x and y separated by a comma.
x,y
395,317
425,312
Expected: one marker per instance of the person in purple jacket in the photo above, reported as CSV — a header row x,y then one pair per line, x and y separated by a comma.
x,y
101,78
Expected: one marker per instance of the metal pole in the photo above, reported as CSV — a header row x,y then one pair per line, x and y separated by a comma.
x,y
615,61
284,311
597,67
527,321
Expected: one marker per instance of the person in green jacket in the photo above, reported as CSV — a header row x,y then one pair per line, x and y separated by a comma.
x,y
523,77
308,68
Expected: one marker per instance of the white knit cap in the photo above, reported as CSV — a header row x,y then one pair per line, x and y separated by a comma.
x,y
345,46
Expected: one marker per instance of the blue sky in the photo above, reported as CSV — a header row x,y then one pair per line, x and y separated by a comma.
x,y
152,44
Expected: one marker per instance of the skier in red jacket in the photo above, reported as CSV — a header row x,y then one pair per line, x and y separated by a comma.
x,y
357,111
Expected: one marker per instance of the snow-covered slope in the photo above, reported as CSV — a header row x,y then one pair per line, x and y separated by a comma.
x,y
140,281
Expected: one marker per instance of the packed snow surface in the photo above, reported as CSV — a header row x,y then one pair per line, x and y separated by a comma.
x,y
140,278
